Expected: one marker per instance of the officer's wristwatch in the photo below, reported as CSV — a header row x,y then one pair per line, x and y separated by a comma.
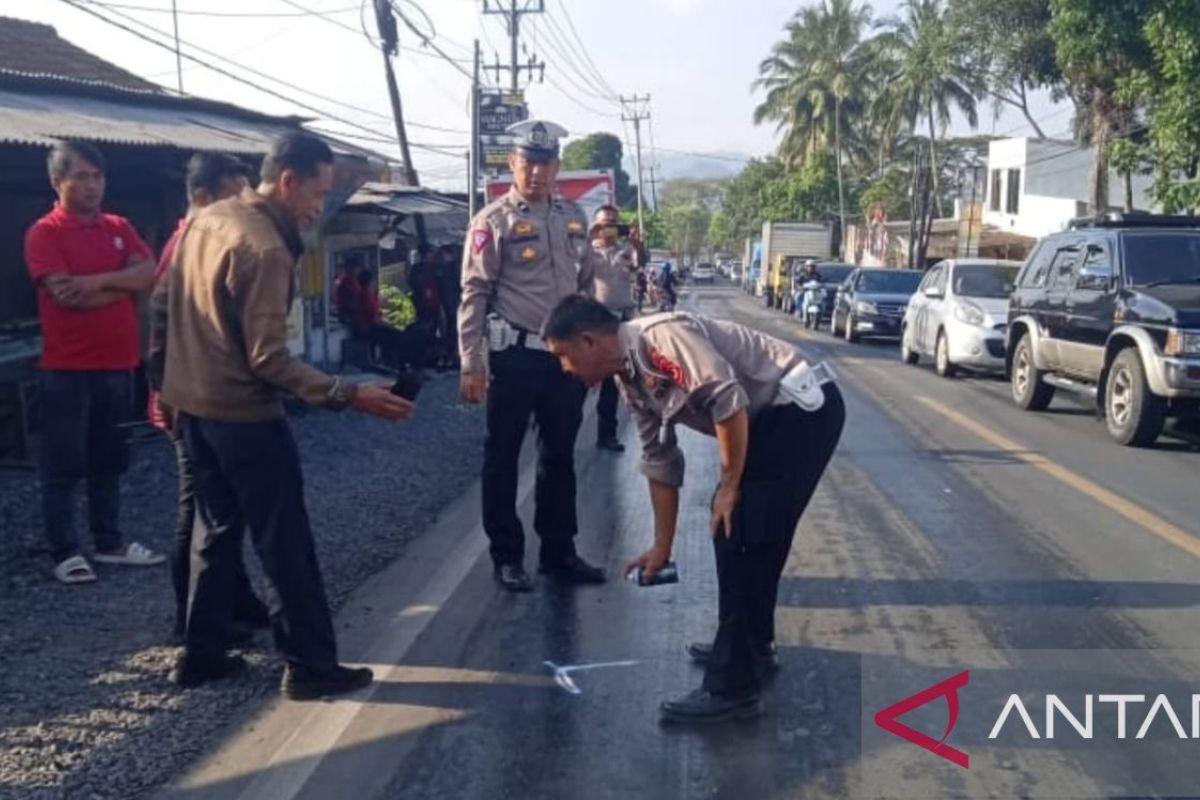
x,y
340,395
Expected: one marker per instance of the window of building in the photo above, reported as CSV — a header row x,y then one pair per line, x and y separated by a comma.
x,y
1012,203
994,204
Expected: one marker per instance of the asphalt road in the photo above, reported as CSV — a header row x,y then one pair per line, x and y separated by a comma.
x,y
952,532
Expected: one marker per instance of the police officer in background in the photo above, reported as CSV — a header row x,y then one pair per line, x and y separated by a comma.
x,y
777,422
524,253
616,270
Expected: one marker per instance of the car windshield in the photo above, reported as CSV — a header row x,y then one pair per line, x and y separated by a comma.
x,y
984,280
899,281
833,274
1152,258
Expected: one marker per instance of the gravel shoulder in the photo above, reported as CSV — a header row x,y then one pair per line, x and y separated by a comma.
x,y
87,708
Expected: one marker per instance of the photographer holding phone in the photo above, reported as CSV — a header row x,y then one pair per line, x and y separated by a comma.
x,y
616,272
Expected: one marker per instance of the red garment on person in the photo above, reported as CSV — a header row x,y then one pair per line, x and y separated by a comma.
x,y
104,338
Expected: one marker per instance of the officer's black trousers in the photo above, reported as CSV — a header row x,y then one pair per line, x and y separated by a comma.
x,y
788,452
530,383
248,476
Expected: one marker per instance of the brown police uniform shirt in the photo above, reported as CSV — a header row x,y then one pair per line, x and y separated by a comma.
x,y
519,261
616,269
687,369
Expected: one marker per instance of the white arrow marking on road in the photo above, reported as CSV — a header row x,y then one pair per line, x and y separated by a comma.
x,y
562,675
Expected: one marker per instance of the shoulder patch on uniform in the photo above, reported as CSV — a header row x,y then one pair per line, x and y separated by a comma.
x,y
523,228
480,238
666,366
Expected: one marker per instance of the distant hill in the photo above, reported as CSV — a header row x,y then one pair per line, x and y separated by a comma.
x,y
677,165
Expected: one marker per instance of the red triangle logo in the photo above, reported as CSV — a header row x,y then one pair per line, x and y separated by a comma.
x,y
888,718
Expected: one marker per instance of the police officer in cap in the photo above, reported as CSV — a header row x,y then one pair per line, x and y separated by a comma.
x,y
777,421
524,253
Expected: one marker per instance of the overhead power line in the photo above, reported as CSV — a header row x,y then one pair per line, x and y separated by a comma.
x,y
571,72
77,4
259,73
588,71
236,14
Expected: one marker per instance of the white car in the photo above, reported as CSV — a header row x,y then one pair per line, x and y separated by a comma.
x,y
702,273
959,315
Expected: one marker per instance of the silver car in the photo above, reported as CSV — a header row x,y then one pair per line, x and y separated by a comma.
x,y
959,315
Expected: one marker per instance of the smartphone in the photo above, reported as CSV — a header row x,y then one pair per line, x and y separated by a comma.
x,y
622,229
408,385
668,574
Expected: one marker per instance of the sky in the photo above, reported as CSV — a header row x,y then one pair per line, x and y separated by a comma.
x,y
696,59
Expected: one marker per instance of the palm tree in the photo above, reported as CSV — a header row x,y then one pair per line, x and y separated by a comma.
x,y
815,81
929,73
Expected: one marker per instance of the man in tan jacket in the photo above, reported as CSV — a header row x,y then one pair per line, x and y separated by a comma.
x,y
227,369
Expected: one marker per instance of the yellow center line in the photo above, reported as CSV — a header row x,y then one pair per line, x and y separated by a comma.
x,y
1167,531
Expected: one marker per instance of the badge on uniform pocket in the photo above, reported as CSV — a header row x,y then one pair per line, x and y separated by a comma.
x,y
523,228
529,254
575,226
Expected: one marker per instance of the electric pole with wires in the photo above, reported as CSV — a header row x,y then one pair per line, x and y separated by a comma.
x,y
639,113
513,10
389,45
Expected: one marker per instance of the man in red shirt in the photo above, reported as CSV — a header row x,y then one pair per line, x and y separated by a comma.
x,y
87,267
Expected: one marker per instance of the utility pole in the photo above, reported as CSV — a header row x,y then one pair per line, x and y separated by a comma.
x,y
178,56
636,116
473,154
389,45
512,11
654,186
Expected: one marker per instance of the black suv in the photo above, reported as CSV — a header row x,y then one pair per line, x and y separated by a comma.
x,y
1110,308
871,302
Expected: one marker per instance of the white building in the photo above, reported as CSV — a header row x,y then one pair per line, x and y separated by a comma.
x,y
1036,186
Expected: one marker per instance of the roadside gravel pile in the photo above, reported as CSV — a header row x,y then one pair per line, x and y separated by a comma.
x,y
85,706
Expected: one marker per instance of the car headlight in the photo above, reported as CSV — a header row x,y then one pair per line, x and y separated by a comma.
x,y
1182,343
865,307
969,313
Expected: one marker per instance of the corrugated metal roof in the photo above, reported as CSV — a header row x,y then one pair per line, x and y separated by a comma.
x,y
44,119
401,199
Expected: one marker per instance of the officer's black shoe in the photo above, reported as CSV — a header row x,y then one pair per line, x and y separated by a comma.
x,y
610,444
192,672
768,659
573,570
303,685
703,707
513,577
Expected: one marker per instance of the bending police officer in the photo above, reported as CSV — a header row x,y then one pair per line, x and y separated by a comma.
x,y
524,253
777,422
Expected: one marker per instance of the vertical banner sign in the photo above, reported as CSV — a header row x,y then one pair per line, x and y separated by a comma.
x,y
498,110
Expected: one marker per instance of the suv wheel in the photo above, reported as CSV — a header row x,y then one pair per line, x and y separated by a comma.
x,y
945,367
1028,390
907,354
834,329
1135,415
851,334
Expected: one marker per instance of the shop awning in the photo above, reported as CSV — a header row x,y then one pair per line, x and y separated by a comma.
x,y
400,199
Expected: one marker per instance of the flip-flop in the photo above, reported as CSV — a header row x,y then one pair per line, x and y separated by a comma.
x,y
75,569
136,554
